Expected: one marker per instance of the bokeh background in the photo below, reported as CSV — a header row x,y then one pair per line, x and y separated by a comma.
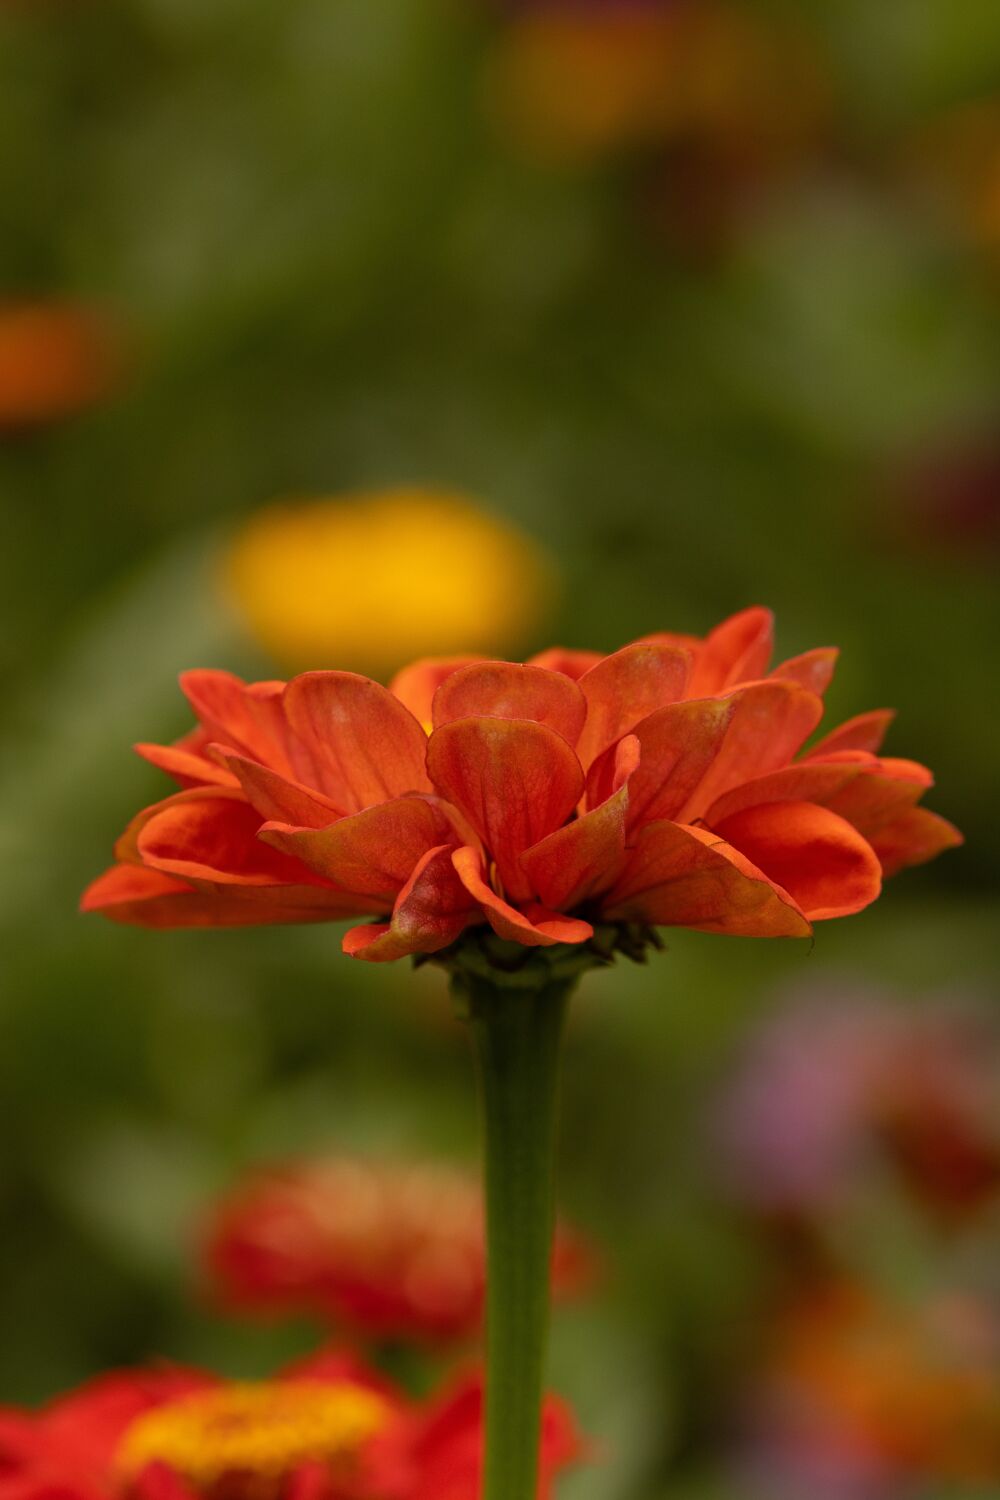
x,y
698,302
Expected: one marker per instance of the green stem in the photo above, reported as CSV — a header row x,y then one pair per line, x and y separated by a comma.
x,y
516,1034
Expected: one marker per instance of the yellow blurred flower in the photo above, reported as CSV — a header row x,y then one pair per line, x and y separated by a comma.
x,y
377,578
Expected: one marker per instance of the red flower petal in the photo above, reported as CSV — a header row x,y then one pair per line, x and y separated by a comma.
x,y
372,852
677,745
823,863
366,746
247,716
581,859
276,797
813,669
416,685
865,791
625,688
505,690
515,781
736,651
189,768
534,927
570,663
865,732
688,877
432,910
912,837
770,722
147,898
214,838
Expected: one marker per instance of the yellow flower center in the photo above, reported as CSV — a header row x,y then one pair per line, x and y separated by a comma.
x,y
252,1434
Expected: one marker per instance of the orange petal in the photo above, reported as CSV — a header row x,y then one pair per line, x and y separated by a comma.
x,y
147,898
625,688
611,771
567,661
186,766
823,863
506,690
770,722
813,669
865,732
431,911
126,845
372,852
581,859
691,643
688,877
534,927
736,651
677,745
913,837
366,746
416,684
276,797
515,781
214,838
246,716
865,791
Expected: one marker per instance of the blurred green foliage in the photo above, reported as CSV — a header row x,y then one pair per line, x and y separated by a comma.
x,y
333,271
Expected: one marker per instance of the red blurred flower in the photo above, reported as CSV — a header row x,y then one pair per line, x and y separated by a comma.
x,y
326,1429
441,1458
387,1250
834,1091
665,784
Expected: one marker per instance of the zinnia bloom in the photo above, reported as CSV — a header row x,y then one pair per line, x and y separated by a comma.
x,y
327,1429
388,1250
665,784
441,575
56,359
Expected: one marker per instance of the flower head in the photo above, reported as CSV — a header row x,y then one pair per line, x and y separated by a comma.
x,y
328,1429
390,1250
369,578
665,784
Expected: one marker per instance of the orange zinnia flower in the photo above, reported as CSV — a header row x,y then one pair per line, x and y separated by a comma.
x,y
326,1429
388,1250
664,784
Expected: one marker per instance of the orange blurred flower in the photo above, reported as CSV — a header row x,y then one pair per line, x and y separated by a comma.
x,y
955,159
573,82
440,575
912,1390
56,359
664,784
388,1250
327,1428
